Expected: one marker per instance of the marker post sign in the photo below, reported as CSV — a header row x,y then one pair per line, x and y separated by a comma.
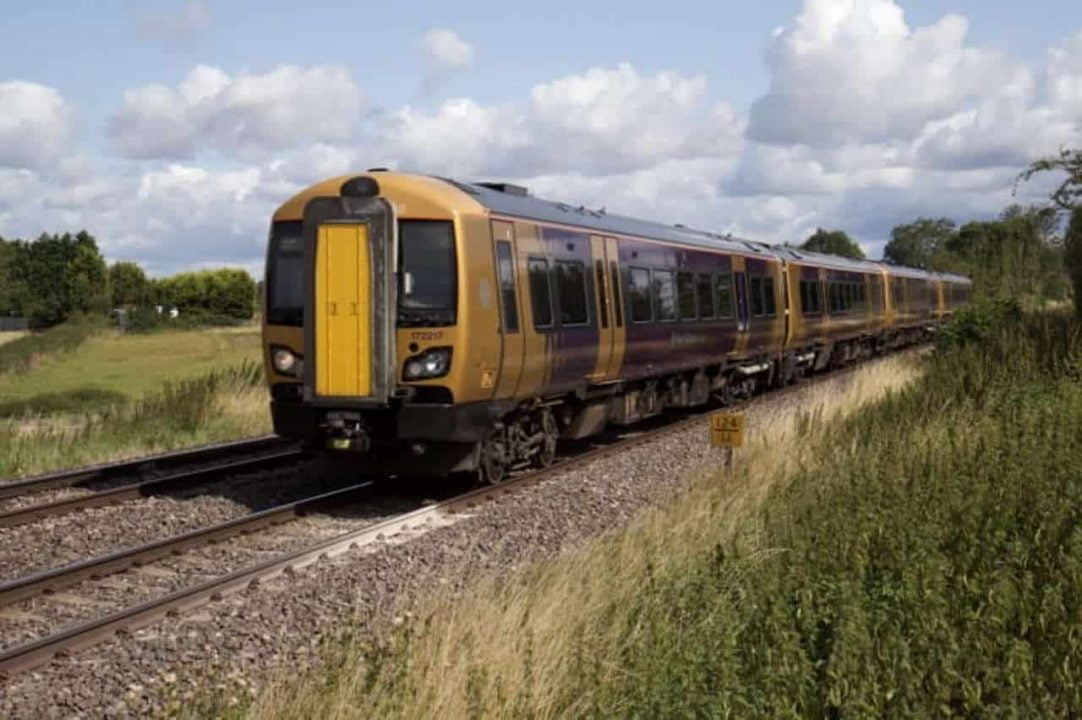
x,y
727,431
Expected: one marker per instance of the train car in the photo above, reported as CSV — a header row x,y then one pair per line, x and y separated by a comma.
x,y
430,326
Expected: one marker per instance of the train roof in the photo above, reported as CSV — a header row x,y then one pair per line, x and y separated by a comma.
x,y
834,262
514,200
506,199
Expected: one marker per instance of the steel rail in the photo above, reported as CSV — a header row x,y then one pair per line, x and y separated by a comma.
x,y
39,652
36,653
127,558
177,481
16,487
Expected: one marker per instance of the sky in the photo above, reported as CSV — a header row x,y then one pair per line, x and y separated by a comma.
x,y
171,129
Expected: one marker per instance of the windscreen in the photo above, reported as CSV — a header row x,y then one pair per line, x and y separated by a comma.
x,y
427,278
285,275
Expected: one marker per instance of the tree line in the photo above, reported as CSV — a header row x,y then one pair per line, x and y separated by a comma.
x,y
1033,252
57,276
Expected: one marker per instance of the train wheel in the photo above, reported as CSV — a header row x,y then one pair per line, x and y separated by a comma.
x,y
492,464
546,454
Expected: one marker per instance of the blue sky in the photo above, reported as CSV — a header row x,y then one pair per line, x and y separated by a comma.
x,y
171,128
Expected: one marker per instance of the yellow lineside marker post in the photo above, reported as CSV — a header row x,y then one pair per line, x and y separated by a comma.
x,y
727,431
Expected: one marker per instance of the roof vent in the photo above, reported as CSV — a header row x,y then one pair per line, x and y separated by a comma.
x,y
506,188
377,169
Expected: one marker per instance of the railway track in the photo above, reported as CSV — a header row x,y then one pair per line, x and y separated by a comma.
x,y
15,660
137,467
144,488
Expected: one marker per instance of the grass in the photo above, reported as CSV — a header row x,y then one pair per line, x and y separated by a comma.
x,y
919,556
111,368
8,336
29,350
223,404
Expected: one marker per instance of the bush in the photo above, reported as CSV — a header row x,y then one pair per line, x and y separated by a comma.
x,y
979,321
224,293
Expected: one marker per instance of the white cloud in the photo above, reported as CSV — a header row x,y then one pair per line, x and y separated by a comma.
x,y
600,122
1063,80
446,50
245,116
854,71
34,125
868,122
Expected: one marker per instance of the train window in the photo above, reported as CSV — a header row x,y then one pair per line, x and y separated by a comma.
x,y
285,274
638,291
809,297
832,291
665,294
617,305
540,292
705,289
571,292
685,290
756,292
896,292
725,295
769,301
602,299
505,266
428,283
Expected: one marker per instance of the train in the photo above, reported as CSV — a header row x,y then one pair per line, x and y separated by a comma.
x,y
422,325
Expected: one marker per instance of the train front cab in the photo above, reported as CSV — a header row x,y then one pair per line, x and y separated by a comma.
x,y
369,290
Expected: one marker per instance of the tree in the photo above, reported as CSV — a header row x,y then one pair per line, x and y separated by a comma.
x,y
1067,198
56,275
917,243
129,285
1068,195
87,277
1017,255
7,294
227,293
833,242
1072,256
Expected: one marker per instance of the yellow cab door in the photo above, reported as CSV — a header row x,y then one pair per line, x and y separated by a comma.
x,y
343,311
512,338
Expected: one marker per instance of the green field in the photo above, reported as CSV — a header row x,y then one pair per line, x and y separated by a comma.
x,y
918,557
115,395
129,366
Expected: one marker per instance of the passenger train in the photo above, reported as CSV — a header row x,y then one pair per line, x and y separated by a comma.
x,y
430,326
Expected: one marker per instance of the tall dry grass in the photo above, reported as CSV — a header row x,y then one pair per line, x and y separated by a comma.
x,y
505,646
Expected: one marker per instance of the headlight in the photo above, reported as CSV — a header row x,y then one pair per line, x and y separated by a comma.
x,y
432,363
286,362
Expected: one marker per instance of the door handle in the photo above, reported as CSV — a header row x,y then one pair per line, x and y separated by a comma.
x,y
353,308
332,308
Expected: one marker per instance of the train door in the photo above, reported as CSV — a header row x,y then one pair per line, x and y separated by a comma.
x,y
740,278
512,342
604,316
616,295
535,319
787,335
343,327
